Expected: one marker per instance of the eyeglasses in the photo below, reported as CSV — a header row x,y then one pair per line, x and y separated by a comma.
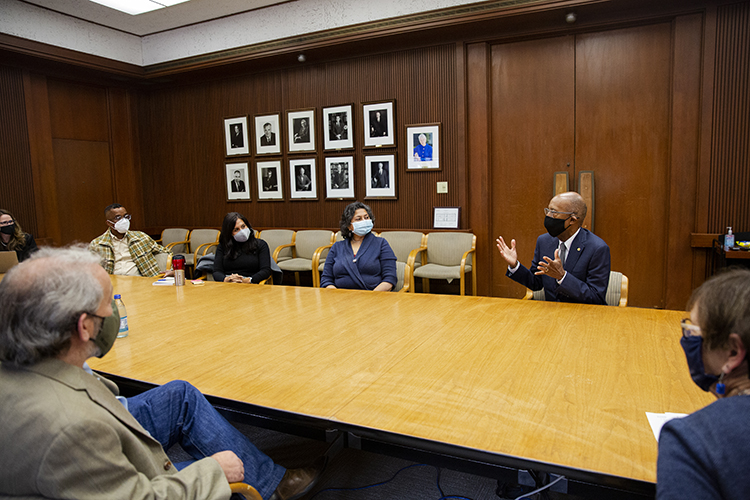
x,y
120,217
551,213
7,222
689,329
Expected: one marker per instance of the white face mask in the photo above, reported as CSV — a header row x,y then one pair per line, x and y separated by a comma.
x,y
122,225
362,227
242,235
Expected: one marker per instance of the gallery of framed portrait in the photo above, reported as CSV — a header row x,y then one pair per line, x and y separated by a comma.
x,y
301,130
267,134
423,147
235,136
338,129
303,179
268,174
339,177
380,172
237,181
379,124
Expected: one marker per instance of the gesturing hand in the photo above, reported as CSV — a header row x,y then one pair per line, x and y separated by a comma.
x,y
550,267
508,252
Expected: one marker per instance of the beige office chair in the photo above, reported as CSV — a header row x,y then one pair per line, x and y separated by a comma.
x,y
403,243
319,259
247,491
174,239
164,262
276,238
200,241
306,242
446,256
617,291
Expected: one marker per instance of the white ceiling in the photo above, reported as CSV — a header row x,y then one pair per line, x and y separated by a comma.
x,y
184,14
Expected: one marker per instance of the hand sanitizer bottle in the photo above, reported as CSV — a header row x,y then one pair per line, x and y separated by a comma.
x,y
728,240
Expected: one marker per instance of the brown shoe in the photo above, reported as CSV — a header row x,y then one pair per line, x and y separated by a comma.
x,y
296,483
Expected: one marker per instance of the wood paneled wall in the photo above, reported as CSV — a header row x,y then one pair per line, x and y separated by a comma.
x,y
183,153
729,196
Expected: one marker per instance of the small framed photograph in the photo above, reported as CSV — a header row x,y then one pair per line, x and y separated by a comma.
x,y
379,124
423,147
303,179
446,217
235,134
301,130
338,127
269,180
238,182
267,135
381,176
340,177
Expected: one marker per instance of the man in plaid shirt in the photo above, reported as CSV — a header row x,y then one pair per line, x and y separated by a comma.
x,y
130,253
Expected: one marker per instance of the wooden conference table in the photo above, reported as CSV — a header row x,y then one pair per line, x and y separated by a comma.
x,y
560,388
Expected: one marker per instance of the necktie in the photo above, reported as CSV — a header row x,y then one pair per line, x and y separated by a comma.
x,y
563,252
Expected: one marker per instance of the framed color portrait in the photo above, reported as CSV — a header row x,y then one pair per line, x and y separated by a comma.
x,y
237,181
235,136
423,147
379,125
268,174
301,130
380,172
338,130
267,135
340,177
303,179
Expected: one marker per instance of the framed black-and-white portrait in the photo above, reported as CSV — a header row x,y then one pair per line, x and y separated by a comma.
x,y
303,179
446,217
381,176
340,177
301,130
237,181
268,174
267,135
379,124
235,134
338,129
423,147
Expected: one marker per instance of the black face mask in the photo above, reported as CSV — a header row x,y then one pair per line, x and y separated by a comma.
x,y
554,227
9,229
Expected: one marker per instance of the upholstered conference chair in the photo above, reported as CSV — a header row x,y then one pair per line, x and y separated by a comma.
x,y
402,243
200,241
174,239
617,291
276,238
448,256
306,242
319,259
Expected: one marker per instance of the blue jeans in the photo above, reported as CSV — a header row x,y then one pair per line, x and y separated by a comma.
x,y
178,413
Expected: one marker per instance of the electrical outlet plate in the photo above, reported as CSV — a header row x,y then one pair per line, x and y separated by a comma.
x,y
442,187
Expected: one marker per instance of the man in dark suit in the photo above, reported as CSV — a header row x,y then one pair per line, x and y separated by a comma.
x,y
380,175
238,185
570,263
236,136
378,125
268,138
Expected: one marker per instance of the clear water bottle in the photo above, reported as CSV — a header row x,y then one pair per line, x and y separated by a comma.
x,y
123,317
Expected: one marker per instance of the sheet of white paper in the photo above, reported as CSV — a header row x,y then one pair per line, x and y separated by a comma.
x,y
657,420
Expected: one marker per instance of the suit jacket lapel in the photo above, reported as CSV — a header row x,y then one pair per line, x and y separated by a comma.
x,y
576,249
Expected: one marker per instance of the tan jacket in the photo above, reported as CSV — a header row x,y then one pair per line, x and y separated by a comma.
x,y
63,434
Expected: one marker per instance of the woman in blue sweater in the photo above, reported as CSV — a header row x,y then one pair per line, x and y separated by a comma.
x,y
361,260
705,455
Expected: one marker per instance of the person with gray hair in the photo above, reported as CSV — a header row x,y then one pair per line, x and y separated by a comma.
x,y
66,435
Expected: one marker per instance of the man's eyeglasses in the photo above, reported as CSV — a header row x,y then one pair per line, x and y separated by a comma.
x,y
7,223
551,213
120,217
689,329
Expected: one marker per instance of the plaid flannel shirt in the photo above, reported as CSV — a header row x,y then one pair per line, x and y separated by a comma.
x,y
142,250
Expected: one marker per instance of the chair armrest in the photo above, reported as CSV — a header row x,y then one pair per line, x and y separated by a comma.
x,y
463,259
174,244
205,250
624,292
169,266
278,249
267,281
247,491
410,264
406,287
529,294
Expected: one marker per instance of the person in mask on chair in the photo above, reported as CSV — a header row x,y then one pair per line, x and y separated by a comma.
x,y
66,434
570,263
361,260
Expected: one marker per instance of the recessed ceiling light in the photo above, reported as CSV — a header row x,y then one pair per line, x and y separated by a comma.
x,y
135,7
